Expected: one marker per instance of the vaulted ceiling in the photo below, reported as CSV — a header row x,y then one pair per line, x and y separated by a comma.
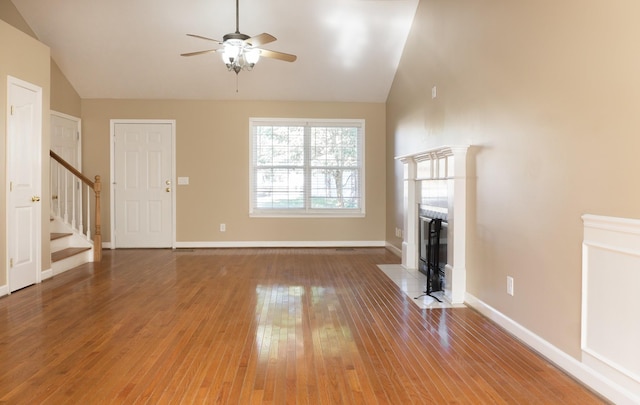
x,y
348,50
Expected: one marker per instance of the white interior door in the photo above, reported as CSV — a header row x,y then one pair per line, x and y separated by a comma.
x,y
143,184
66,142
24,175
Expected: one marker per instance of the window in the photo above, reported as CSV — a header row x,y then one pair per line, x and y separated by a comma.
x,y
307,167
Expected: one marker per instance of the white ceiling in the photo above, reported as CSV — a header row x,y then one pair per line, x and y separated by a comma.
x,y
348,50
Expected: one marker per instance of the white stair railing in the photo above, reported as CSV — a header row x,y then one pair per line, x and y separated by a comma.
x,y
68,186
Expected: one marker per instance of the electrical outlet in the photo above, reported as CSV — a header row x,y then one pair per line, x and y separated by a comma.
x,y
510,285
223,227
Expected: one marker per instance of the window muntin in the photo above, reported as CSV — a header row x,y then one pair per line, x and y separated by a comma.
x,y
307,167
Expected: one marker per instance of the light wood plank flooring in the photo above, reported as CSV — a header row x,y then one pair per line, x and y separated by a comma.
x,y
256,326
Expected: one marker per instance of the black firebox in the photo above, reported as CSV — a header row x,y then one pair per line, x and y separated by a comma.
x,y
433,230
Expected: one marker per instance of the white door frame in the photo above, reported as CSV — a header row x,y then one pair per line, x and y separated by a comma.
x,y
112,146
37,242
78,121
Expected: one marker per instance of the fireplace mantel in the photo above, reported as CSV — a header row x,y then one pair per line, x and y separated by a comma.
x,y
444,163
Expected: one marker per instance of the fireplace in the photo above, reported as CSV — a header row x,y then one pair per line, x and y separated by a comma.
x,y
435,196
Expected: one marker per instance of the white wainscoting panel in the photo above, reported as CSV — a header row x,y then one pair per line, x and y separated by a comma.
x,y
611,298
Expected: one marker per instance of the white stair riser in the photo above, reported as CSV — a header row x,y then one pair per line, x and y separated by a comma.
x,y
70,262
60,243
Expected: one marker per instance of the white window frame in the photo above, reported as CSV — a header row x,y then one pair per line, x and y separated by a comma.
x,y
307,212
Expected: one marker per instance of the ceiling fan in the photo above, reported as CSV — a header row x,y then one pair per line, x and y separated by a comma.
x,y
240,51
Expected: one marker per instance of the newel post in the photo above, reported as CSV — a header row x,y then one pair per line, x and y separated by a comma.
x,y
97,237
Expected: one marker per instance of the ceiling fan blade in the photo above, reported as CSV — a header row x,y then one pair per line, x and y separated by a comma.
x,y
198,52
261,39
206,38
278,55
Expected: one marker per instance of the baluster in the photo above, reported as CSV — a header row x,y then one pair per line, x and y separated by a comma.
x,y
80,208
51,184
73,201
89,190
58,171
66,197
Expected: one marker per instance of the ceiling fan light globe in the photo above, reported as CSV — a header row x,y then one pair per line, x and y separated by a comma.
x,y
231,51
252,56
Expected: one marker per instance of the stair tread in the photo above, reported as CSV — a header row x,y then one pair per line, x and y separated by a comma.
x,y
68,252
58,235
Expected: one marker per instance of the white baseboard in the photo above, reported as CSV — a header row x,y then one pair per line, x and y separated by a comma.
x,y
394,250
4,290
47,274
280,244
594,380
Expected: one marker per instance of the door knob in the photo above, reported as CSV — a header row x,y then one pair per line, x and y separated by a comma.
x,y
168,182
35,198
168,189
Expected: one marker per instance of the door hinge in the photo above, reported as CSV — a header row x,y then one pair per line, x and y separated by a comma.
x,y
11,262
11,109
77,136
10,186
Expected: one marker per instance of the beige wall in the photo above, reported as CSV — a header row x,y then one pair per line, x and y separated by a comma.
x,y
213,151
10,15
24,58
64,98
548,93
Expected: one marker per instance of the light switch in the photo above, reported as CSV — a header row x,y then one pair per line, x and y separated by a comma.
x,y
183,181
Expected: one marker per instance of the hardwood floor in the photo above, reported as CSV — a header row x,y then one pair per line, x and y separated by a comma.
x,y
256,326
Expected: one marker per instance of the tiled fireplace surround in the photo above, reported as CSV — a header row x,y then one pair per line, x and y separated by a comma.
x,y
447,163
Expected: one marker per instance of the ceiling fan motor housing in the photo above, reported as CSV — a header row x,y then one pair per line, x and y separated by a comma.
x,y
235,36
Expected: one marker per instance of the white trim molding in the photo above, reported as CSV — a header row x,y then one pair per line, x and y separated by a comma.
x,y
47,274
393,249
281,244
595,380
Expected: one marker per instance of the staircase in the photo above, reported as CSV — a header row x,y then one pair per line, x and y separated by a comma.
x,y
68,249
73,242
